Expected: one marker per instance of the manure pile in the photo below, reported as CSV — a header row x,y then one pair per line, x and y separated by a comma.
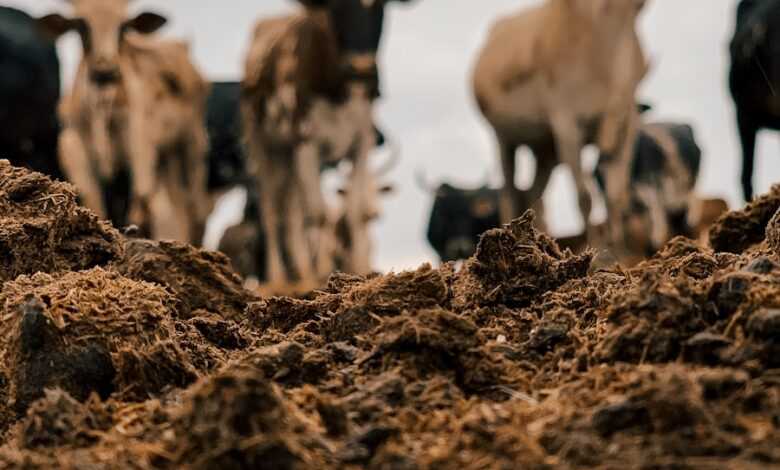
x,y
127,353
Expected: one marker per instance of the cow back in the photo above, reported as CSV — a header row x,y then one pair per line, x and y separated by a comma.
x,y
166,66
299,53
29,92
755,59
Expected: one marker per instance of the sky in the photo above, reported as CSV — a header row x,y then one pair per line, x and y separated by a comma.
x,y
427,54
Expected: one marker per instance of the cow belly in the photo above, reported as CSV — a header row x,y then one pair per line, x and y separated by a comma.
x,y
519,116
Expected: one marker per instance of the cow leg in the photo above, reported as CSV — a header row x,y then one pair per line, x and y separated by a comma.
x,y
650,197
546,161
144,160
360,249
197,199
747,135
569,142
307,166
326,248
617,172
509,194
171,215
297,241
268,188
74,160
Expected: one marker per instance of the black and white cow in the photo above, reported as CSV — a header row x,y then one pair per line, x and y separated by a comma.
x,y
29,93
664,171
754,79
309,86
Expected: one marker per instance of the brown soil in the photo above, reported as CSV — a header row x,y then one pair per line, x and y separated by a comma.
x,y
42,229
526,357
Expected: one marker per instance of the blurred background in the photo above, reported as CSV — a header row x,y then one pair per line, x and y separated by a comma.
x,y
427,56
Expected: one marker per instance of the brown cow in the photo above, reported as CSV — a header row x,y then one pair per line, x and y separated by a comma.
x,y
555,78
309,87
137,105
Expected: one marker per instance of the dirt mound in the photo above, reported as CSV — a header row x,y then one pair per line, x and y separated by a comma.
x,y
239,419
201,280
514,265
736,231
527,356
42,229
773,232
90,331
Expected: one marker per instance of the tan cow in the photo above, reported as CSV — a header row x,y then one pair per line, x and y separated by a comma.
x,y
336,249
137,104
309,87
555,78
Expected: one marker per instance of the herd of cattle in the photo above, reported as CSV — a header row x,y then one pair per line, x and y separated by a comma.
x,y
148,141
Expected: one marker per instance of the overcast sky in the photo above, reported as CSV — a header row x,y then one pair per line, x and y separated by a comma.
x,y
427,56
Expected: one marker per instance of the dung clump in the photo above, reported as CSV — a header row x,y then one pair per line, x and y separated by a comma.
x,y
200,279
736,231
773,233
516,264
66,331
58,420
42,228
239,419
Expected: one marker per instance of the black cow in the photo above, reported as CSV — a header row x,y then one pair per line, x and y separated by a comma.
x,y
754,78
29,93
664,171
223,120
458,218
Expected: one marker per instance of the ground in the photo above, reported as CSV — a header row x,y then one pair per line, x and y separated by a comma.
x,y
126,353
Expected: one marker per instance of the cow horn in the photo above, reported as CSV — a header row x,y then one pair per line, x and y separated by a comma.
x,y
393,159
422,182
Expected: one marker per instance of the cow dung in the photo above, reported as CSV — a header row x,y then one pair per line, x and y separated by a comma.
x,y
135,354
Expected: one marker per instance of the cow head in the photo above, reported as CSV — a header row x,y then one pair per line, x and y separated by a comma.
x,y
459,217
102,25
358,28
371,189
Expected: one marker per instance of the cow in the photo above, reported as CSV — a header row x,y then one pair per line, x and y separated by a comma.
x,y
459,217
664,169
223,122
29,93
754,77
244,243
134,114
310,82
559,76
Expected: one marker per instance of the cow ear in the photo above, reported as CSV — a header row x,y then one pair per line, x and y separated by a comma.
x,y
314,3
55,25
147,23
644,108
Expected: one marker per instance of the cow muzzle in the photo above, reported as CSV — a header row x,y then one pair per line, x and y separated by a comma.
x,y
363,68
459,248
